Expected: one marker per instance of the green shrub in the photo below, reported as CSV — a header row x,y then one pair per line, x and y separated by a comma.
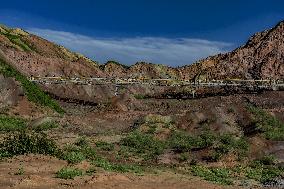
x,y
33,92
25,143
108,166
74,157
46,126
264,169
76,154
105,146
20,171
103,163
69,173
263,174
183,157
141,143
154,118
139,96
216,175
183,142
82,142
270,126
228,143
89,152
266,160
8,123
91,171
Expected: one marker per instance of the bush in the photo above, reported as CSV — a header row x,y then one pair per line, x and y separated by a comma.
x,y
20,171
267,160
271,127
75,154
69,173
105,146
217,175
108,166
91,171
25,143
183,142
82,142
263,174
74,157
145,144
227,143
139,96
8,123
46,126
153,118
33,92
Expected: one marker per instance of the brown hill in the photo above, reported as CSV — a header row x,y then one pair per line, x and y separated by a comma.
x,y
260,58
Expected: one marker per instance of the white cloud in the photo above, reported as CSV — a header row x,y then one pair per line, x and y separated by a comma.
x,y
169,51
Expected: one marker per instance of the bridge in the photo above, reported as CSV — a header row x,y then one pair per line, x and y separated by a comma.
x,y
252,85
265,84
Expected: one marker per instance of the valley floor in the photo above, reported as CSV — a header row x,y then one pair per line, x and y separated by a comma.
x,y
209,143
39,173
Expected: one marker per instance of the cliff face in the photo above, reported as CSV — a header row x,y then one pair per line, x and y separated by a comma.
x,y
262,57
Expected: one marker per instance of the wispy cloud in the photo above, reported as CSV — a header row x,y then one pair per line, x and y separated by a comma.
x,y
169,51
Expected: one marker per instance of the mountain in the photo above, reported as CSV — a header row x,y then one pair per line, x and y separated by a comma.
x,y
262,57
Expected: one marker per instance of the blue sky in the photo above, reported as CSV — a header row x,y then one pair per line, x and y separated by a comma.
x,y
172,32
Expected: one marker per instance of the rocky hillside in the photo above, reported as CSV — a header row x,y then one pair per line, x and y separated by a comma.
x,y
260,58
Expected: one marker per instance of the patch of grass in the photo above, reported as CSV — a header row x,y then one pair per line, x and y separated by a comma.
x,y
69,173
183,157
266,160
123,153
122,168
20,171
263,170
227,143
153,119
105,146
33,92
143,144
8,123
270,126
91,171
82,142
256,170
16,39
20,43
76,154
216,175
46,126
74,157
140,96
183,142
25,143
